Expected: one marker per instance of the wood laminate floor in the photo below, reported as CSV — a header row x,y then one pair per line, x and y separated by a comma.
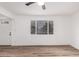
x,y
37,51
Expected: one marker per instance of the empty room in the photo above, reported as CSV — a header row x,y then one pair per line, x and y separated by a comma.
x,y
39,29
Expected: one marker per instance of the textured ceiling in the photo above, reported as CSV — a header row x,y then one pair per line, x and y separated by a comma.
x,y
52,8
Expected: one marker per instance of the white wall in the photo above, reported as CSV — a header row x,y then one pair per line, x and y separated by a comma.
x,y
21,31
75,40
6,13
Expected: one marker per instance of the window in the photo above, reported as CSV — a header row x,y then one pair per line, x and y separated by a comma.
x,y
33,27
50,27
41,27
